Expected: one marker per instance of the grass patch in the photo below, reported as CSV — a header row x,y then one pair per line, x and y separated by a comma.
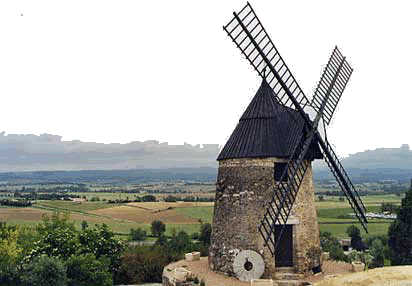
x,y
203,213
339,230
74,206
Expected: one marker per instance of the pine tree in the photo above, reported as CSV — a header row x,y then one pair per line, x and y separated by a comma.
x,y
400,233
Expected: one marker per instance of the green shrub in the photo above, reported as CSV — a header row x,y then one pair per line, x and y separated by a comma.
x,y
362,256
158,228
205,233
195,235
45,271
85,269
137,234
336,253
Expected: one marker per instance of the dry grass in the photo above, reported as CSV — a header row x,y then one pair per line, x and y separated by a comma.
x,y
146,216
27,214
155,206
387,276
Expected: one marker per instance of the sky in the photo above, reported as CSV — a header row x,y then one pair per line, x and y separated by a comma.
x,y
102,72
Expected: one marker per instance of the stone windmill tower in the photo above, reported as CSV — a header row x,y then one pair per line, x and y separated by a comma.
x,y
250,167
264,215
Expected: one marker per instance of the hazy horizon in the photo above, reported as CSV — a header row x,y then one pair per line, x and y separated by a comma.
x,y
47,152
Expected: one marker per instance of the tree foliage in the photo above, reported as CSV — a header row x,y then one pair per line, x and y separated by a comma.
x,y
86,269
205,233
45,271
158,228
355,238
400,233
330,244
137,234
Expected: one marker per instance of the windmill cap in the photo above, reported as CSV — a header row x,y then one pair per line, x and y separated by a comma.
x,y
266,129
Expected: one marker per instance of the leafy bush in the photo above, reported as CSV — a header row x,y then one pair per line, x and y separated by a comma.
x,y
205,233
330,244
137,234
336,253
95,199
148,198
86,270
15,203
362,256
158,228
195,235
181,242
400,233
45,271
144,264
356,239
171,199
377,250
9,255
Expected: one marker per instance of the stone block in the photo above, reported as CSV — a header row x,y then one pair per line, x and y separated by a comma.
x,y
192,256
325,256
181,274
262,282
358,266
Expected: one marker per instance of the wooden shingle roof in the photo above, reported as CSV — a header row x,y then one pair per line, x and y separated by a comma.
x,y
266,129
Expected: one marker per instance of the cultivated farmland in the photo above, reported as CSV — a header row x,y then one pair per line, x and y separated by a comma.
x,y
333,215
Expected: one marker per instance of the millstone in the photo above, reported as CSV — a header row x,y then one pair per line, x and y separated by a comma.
x,y
248,265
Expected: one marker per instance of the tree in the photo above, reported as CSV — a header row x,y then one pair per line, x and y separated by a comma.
x,y
321,198
95,199
85,269
137,234
84,225
330,244
355,237
100,241
400,233
148,198
9,255
205,233
171,199
181,242
378,253
158,228
45,271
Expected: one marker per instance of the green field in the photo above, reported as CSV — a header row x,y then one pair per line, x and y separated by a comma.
x,y
332,214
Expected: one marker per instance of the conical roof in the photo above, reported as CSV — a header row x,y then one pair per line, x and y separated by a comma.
x,y
266,129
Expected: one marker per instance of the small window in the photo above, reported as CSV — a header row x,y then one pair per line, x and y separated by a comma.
x,y
279,169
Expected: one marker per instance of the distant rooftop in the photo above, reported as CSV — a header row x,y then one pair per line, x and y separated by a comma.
x,y
266,129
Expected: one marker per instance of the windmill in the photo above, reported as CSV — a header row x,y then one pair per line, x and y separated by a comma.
x,y
279,101
248,33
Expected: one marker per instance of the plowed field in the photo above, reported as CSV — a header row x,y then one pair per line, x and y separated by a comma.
x,y
147,215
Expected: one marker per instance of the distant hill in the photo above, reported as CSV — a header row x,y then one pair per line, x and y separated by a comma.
x,y
373,165
358,175
206,174
368,166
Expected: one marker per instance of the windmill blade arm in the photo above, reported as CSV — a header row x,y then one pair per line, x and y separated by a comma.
x,y
249,35
343,180
331,85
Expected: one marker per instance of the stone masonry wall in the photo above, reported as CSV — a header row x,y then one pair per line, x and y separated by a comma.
x,y
243,189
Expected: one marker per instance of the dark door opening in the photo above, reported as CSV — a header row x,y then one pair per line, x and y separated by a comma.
x,y
284,251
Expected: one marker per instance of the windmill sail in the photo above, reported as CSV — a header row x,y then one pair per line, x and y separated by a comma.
x,y
247,32
329,84
246,22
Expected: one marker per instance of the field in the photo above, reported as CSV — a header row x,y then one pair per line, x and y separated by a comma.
x,y
332,214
